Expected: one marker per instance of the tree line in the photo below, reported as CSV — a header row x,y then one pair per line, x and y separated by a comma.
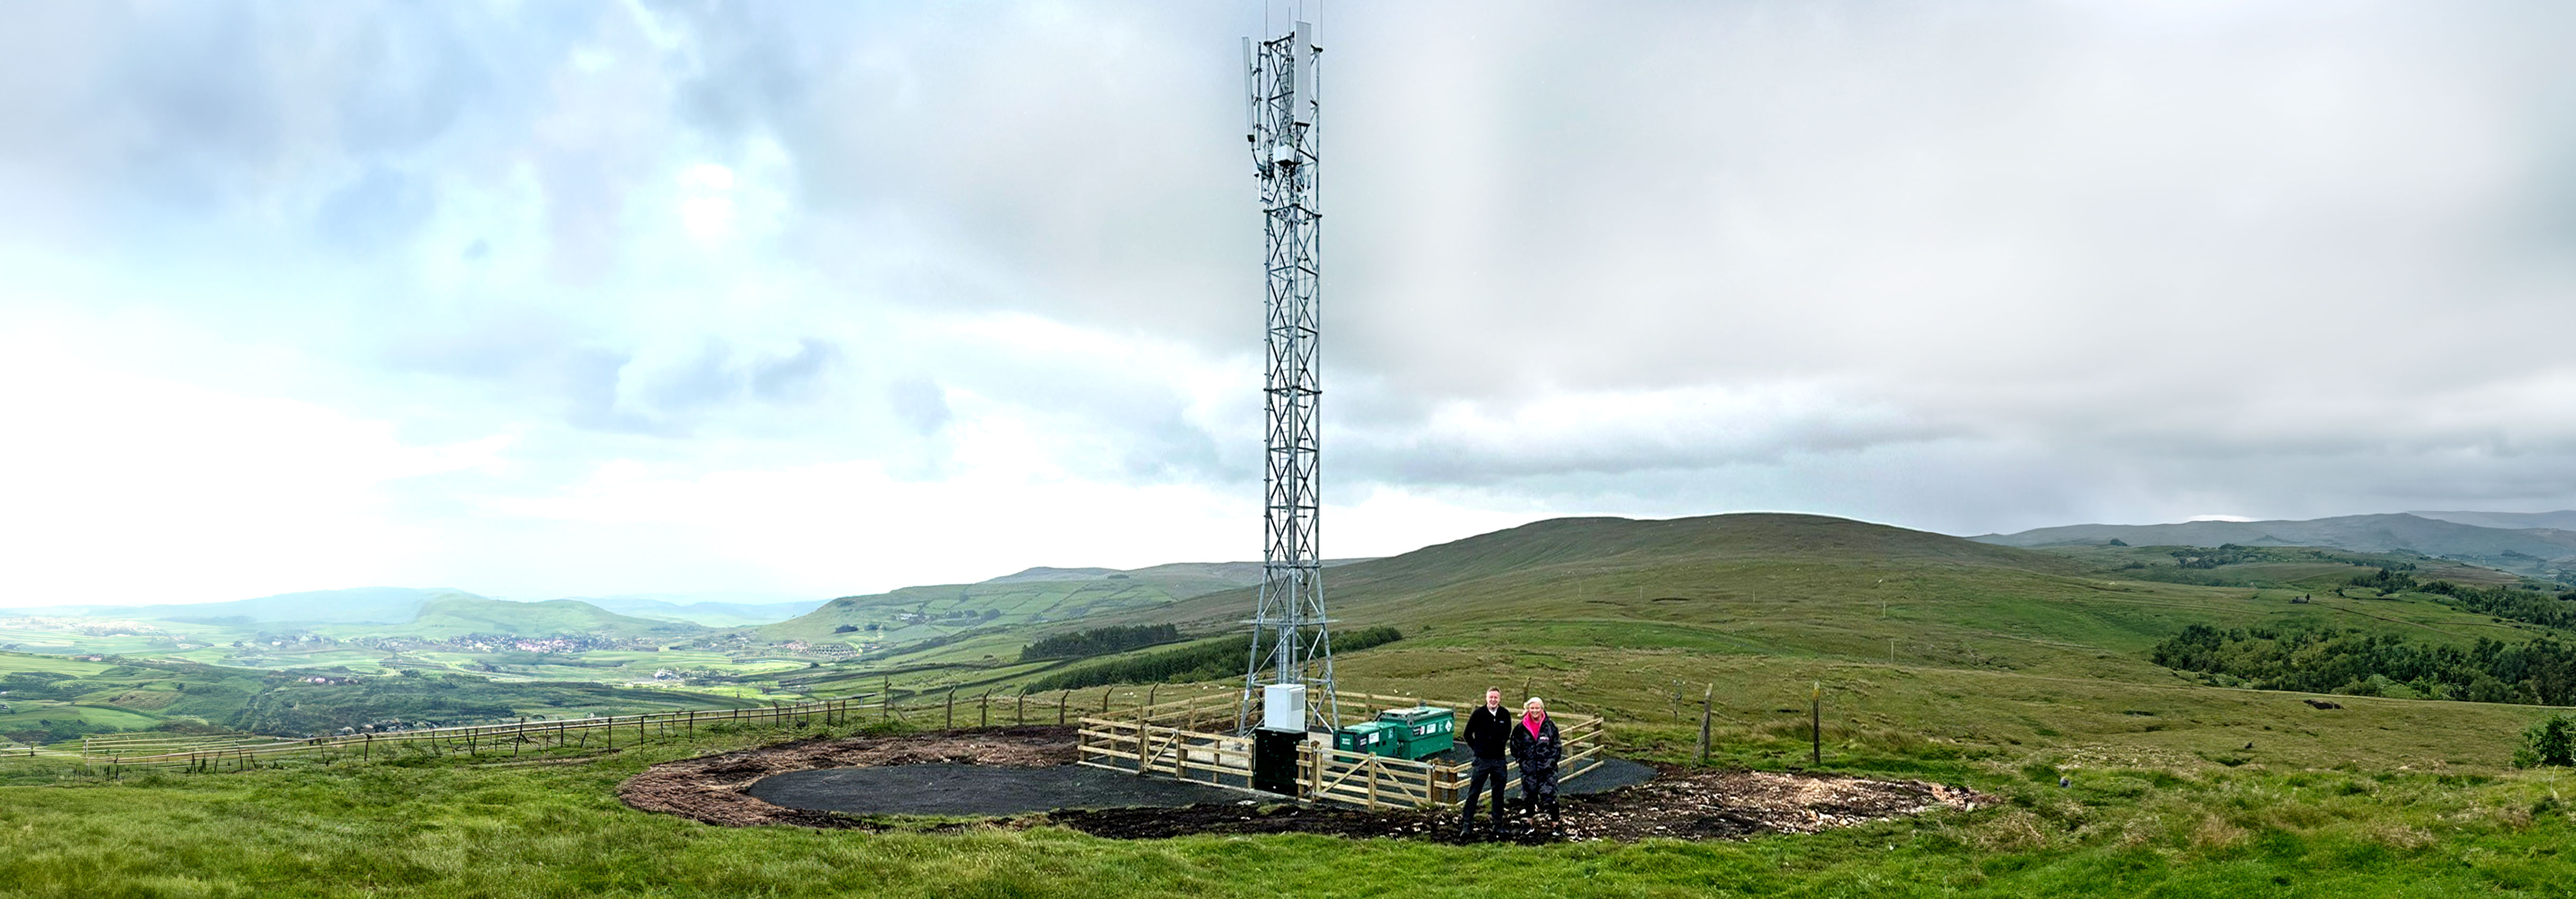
x,y
2334,660
2510,603
1219,660
1099,641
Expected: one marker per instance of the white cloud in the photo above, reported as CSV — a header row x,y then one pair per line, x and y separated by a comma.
x,y
790,297
130,489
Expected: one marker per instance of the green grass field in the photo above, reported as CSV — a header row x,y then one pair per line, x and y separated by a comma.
x,y
2007,669
2143,819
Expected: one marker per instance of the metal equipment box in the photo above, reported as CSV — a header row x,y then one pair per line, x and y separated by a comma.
x,y
1372,737
1274,760
1422,731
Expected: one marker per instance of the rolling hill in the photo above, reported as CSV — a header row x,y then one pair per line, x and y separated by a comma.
x,y
1813,587
460,614
2564,520
1035,596
1922,640
2535,551
711,613
2021,673
357,605
48,698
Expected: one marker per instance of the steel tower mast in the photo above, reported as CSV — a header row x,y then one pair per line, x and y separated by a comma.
x,y
1290,642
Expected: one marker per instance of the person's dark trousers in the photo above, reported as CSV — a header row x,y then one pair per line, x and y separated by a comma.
x,y
1538,794
1494,772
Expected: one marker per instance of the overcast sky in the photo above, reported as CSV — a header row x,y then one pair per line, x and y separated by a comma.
x,y
544,299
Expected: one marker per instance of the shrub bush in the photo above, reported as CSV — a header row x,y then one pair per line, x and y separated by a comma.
x,y
2549,741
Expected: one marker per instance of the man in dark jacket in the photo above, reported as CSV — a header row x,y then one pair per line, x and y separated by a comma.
x,y
1489,731
1537,747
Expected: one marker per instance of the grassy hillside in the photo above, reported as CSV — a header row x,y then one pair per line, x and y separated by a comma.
x,y
55,698
2564,520
709,613
1034,597
2011,668
453,616
2532,551
1791,588
382,605
2291,822
1808,586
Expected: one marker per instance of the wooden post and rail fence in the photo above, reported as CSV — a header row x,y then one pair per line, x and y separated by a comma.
x,y
1165,740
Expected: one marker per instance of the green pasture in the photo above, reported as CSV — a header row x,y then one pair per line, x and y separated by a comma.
x,y
915,615
26,714
12,662
2336,809
1998,668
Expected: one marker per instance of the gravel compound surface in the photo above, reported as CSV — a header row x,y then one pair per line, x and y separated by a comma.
x,y
1025,772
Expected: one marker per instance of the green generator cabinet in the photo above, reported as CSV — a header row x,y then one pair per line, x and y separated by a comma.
x,y
1421,731
1372,737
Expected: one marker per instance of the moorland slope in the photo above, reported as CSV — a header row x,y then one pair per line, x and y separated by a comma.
x,y
2523,550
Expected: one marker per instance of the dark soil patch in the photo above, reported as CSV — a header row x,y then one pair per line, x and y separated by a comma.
x,y
712,788
954,789
1018,770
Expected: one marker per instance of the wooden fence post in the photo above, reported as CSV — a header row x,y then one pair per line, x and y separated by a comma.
x,y
1315,783
1705,707
1816,725
1020,708
984,710
1061,701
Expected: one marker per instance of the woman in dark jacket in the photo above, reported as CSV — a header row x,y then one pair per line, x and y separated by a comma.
x,y
1536,747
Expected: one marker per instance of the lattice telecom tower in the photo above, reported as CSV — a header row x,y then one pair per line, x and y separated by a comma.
x,y
1290,643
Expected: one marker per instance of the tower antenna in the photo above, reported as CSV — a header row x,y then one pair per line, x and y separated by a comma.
x,y
1290,640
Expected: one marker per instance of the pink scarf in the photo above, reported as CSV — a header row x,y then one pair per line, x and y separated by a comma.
x,y
1533,723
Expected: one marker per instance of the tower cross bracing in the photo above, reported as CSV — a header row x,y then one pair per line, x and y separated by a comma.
x,y
1291,641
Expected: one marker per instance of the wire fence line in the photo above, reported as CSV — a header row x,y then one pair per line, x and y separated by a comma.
x,y
113,753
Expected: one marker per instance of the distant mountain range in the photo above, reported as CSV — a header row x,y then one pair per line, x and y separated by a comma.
x,y
428,612
2561,520
461,614
707,612
2522,543
357,605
